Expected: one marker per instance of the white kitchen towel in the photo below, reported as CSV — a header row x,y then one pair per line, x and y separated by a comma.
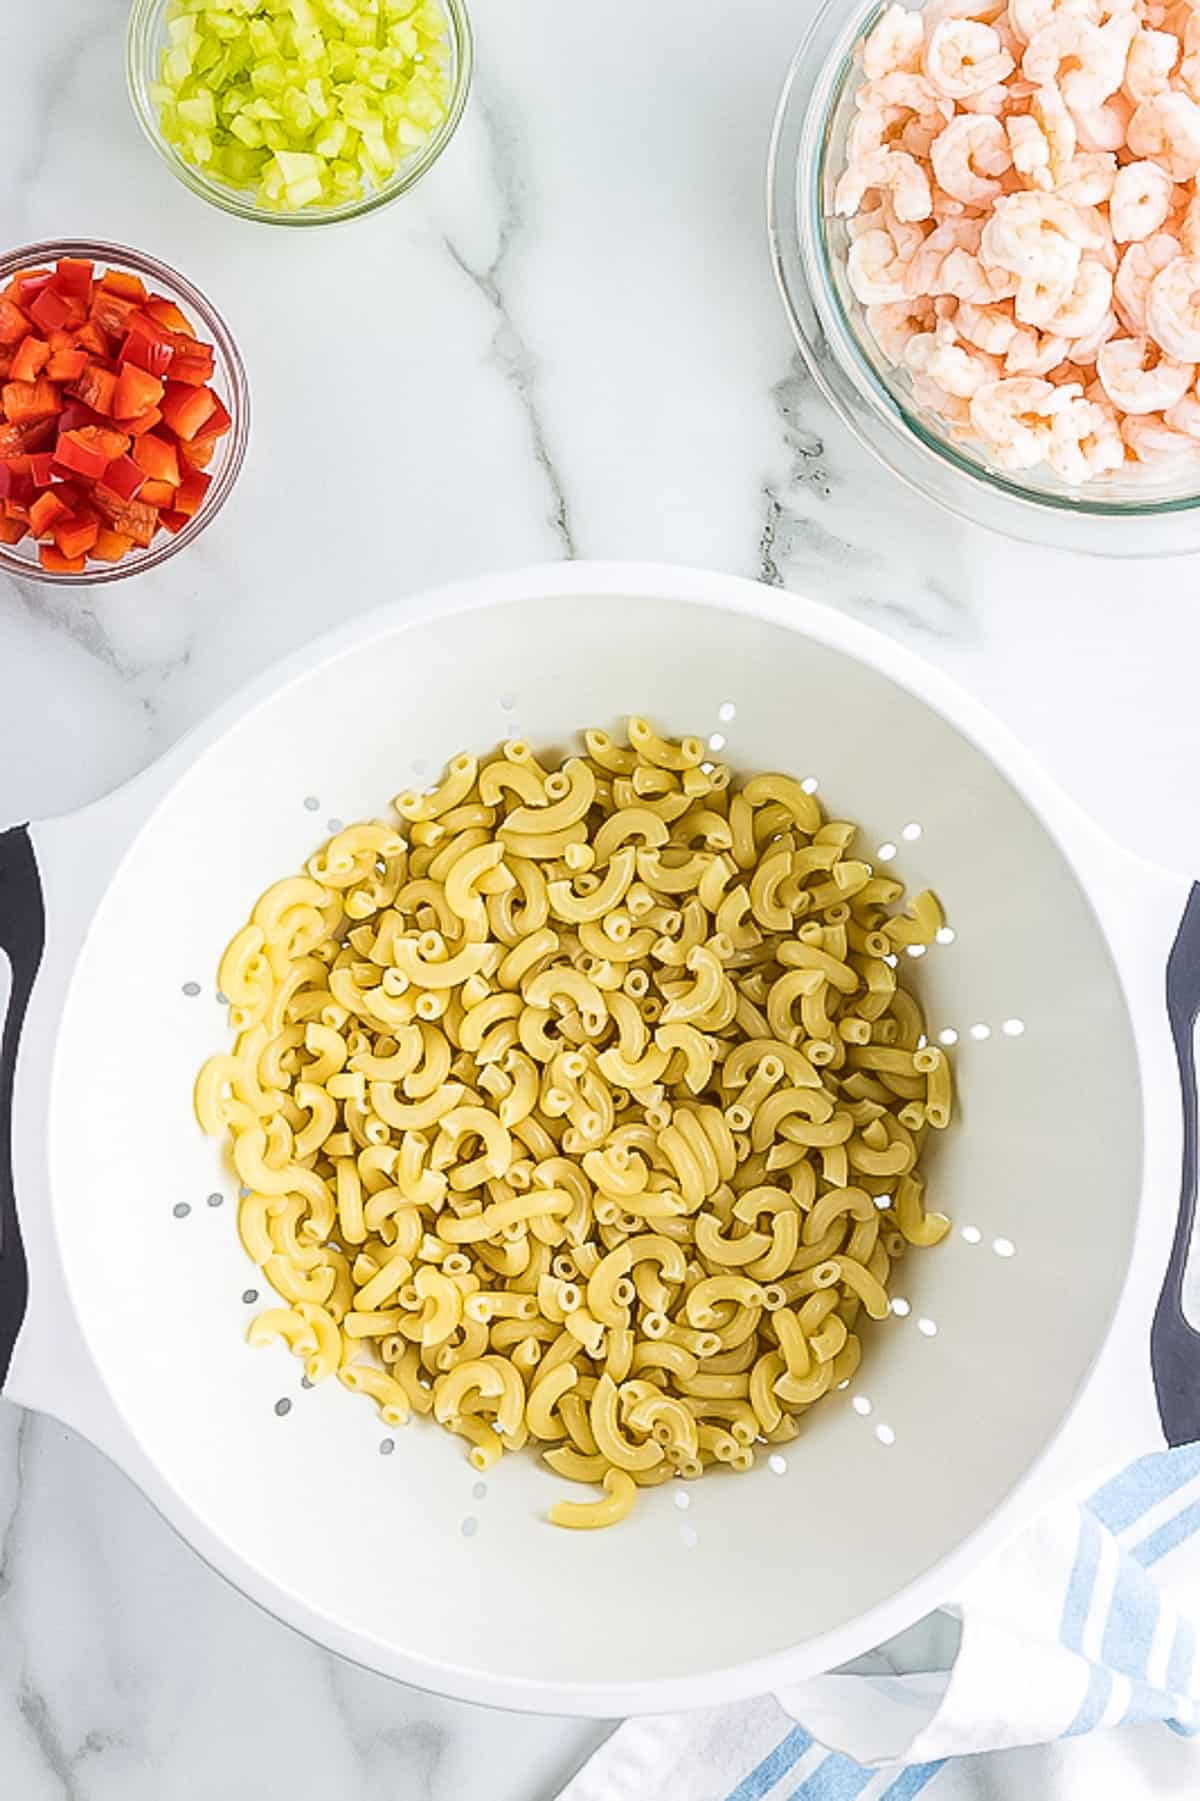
x,y
1088,1620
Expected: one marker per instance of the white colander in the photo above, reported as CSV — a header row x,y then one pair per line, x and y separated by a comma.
x,y
124,1293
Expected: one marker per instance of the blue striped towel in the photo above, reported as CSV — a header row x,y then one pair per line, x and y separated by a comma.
x,y
1087,1620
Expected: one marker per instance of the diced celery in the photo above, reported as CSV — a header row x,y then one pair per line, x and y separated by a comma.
x,y
200,111
248,132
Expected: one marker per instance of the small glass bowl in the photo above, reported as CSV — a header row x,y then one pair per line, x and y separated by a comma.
x,y
229,383
144,44
1142,513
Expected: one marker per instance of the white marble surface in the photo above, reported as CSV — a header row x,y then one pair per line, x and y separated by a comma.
x,y
566,343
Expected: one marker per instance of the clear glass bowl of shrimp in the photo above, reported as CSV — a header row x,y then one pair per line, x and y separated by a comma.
x,y
1137,510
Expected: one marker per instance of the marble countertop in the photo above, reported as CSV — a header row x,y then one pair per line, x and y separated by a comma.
x,y
586,357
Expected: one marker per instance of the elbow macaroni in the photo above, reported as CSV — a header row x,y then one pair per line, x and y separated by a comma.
x,y
584,1109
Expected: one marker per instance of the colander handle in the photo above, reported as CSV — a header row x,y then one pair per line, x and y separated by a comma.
x,y
22,938
1174,1344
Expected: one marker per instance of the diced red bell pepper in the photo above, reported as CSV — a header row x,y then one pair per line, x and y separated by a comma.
x,y
189,496
25,401
55,563
89,337
198,455
157,494
110,546
17,483
217,423
156,458
20,440
96,387
74,452
186,409
195,370
13,323
31,358
167,313
25,287
111,313
134,518
46,510
174,521
16,509
136,392
151,354
119,281
6,363
124,477
12,530
73,276
41,468
137,428
65,365
51,311
75,536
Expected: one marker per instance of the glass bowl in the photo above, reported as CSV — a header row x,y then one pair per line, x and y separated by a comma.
x,y
229,383
146,39
1139,513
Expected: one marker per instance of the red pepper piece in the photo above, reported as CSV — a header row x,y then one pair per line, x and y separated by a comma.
x,y
216,425
198,455
96,387
73,277
195,370
144,422
55,563
110,546
128,287
75,536
167,313
12,530
31,358
124,477
189,496
41,468
134,518
46,510
151,354
25,401
111,313
25,287
136,392
13,323
157,459
65,365
75,453
175,521
157,494
89,337
51,311
17,484
186,409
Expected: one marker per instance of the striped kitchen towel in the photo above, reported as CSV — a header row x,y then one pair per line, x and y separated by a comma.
x,y
1088,1620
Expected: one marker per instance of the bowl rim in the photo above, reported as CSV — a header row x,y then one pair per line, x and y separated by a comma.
x,y
844,371
143,17
139,262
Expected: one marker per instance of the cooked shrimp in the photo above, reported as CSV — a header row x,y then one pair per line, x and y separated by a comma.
x,y
1029,149
894,44
1140,201
1034,353
1138,379
907,235
968,155
963,57
891,171
1167,129
1103,127
910,90
929,394
1152,56
1085,441
1173,309
1036,235
895,323
1088,178
989,328
1184,416
989,101
875,270
1085,350
1139,266
1016,418
1189,68
1087,304
1152,440
1028,17
956,371
1086,61
1051,115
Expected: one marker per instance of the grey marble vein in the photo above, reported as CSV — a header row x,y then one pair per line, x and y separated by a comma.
x,y
11,1527
510,350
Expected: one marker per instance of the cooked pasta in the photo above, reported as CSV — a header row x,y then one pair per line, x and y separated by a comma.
x,y
583,1109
